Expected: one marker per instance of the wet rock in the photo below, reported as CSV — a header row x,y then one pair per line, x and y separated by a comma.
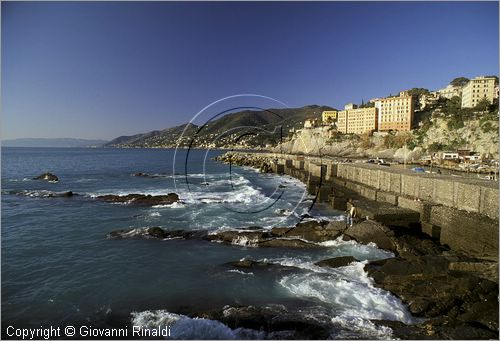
x,y
44,194
254,161
276,321
141,199
47,177
312,231
336,262
430,290
259,265
146,175
239,237
156,232
287,243
372,232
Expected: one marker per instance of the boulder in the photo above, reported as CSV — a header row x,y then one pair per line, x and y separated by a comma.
x,y
259,265
47,177
240,237
141,199
372,232
156,232
336,262
312,230
287,243
432,291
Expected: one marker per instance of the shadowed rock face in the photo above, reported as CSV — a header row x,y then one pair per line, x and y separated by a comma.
x,y
274,320
449,298
259,238
141,199
312,231
336,262
372,232
157,233
47,177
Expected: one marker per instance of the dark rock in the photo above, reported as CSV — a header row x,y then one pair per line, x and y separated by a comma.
x,y
141,199
146,175
275,321
287,243
259,265
336,262
372,232
240,237
412,246
156,232
312,231
47,177
431,290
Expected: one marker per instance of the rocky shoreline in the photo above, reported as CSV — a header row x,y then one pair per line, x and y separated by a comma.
x,y
453,302
456,302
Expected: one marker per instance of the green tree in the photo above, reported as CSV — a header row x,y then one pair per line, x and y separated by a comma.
x,y
417,92
483,105
453,105
459,81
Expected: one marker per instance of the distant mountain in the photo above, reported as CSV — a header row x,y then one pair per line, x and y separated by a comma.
x,y
55,142
248,127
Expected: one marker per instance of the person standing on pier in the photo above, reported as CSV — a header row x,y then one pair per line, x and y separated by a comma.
x,y
351,212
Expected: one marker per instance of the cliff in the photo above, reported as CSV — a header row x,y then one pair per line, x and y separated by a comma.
x,y
438,133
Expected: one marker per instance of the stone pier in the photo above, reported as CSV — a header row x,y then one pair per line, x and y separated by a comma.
x,y
461,213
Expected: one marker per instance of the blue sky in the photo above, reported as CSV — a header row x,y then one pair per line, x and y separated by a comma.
x,y
104,69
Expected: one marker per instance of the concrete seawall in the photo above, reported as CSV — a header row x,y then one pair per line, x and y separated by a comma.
x,y
461,213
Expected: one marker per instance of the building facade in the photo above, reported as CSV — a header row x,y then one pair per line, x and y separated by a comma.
x,y
477,89
311,123
329,116
450,91
395,113
357,121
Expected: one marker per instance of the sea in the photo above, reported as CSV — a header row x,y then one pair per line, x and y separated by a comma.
x,y
60,268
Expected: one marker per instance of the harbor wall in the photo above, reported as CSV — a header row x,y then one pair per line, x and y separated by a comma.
x,y
460,212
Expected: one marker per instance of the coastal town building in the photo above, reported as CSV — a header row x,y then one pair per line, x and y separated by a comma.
x,y
477,89
496,92
428,99
449,156
329,116
354,120
450,91
395,113
311,123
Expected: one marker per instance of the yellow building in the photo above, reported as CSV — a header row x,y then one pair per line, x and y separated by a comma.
x,y
477,89
329,116
357,121
395,113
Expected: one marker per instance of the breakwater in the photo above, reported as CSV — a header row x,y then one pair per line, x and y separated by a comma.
x,y
460,213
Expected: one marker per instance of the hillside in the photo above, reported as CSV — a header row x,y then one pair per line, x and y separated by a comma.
x,y
241,129
443,127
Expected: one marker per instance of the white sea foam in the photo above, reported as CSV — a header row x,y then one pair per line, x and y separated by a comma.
x,y
350,293
241,272
155,214
352,327
183,327
245,241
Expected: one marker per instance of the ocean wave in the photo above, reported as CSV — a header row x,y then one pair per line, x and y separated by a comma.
x,y
350,293
183,327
